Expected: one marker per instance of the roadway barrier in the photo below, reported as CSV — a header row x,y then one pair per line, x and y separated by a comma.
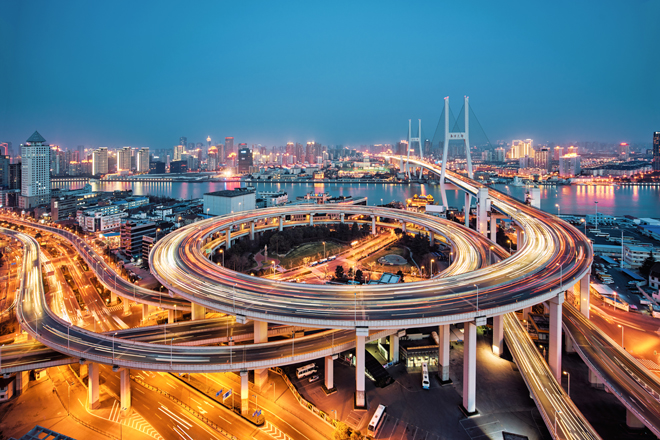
x,y
186,407
304,402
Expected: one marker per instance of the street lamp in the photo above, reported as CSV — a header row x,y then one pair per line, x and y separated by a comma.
x,y
324,250
614,305
490,251
569,382
207,212
561,275
622,346
556,414
431,270
222,251
509,241
585,226
422,271
113,348
558,209
157,231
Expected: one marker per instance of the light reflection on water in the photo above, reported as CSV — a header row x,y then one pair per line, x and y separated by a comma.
x,y
639,201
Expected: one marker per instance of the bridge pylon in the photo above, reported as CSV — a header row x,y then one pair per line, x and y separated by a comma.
x,y
465,136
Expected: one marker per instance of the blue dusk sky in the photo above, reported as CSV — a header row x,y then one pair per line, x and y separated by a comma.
x,y
144,73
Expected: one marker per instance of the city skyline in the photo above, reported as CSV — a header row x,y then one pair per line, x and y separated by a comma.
x,y
557,75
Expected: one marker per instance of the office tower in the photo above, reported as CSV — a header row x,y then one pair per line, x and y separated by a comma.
x,y
656,151
520,148
290,148
183,141
208,141
212,160
142,160
624,151
244,159
542,159
35,172
569,165
5,162
100,161
559,152
124,159
300,153
16,175
572,150
178,152
229,146
4,148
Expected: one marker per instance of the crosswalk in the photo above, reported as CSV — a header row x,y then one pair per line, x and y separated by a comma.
x,y
134,420
274,432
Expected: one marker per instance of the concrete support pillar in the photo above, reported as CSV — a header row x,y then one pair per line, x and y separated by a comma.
x,y
281,226
228,239
373,225
554,353
431,238
329,373
93,387
260,335
311,219
125,388
403,227
493,228
84,371
145,311
252,230
632,421
583,294
526,312
498,335
245,393
361,334
443,353
394,348
197,312
170,316
520,238
470,367
127,306
467,209
569,344
341,216
113,297
483,207
21,382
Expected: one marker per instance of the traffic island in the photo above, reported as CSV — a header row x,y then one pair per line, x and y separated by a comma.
x,y
327,391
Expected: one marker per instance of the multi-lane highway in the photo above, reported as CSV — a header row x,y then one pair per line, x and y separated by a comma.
x,y
635,386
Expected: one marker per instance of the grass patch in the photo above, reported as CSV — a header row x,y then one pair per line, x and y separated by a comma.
x,y
311,251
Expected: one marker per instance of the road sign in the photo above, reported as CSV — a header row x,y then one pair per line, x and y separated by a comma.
x,y
219,392
256,413
227,394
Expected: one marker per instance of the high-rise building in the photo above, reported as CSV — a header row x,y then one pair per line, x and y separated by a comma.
x,y
572,150
542,159
142,160
183,141
558,152
178,152
35,172
569,165
499,154
208,141
520,149
244,158
212,160
124,159
229,146
656,151
290,148
5,148
5,162
100,161
624,151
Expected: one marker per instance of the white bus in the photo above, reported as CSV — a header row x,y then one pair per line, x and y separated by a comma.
x,y
306,370
376,419
425,376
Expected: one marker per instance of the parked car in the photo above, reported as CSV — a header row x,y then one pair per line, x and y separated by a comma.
x,y
314,378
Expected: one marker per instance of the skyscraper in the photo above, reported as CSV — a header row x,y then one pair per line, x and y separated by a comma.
x,y
229,146
142,161
569,165
542,159
178,152
124,159
656,151
208,141
521,149
244,159
100,161
183,141
35,172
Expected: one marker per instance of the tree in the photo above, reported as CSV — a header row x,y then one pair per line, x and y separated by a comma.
x,y
339,272
359,276
400,273
648,263
342,432
350,273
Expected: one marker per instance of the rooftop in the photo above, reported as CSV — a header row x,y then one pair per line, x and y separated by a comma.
x,y
230,193
36,137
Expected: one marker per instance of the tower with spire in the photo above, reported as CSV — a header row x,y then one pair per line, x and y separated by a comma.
x,y
35,172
